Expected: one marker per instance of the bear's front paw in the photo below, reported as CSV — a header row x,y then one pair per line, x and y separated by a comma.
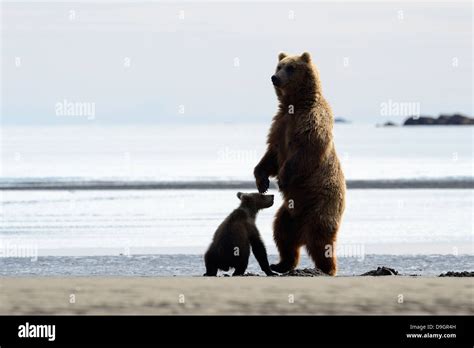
x,y
209,275
263,183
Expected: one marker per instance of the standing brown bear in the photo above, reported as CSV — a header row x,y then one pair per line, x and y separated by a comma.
x,y
302,156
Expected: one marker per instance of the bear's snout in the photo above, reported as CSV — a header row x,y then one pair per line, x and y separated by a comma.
x,y
268,201
276,80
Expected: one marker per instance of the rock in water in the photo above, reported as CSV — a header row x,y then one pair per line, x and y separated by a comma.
x,y
457,274
381,271
456,119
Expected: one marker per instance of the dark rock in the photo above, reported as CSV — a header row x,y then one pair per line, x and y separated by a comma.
x,y
307,272
457,274
389,124
455,119
381,271
422,120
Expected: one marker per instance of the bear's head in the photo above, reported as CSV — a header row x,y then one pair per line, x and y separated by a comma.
x,y
295,74
255,200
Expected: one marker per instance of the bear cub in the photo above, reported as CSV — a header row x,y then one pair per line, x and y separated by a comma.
x,y
230,247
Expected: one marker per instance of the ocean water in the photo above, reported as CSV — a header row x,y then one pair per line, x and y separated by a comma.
x,y
224,152
183,221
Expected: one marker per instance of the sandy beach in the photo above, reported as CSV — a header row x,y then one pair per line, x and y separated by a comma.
x,y
235,296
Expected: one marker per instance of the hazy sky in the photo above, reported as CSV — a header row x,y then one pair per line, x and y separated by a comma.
x,y
168,62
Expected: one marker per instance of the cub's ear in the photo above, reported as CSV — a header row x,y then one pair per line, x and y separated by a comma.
x,y
239,195
306,57
282,55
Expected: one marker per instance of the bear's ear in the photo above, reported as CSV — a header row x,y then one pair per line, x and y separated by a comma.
x,y
282,55
239,195
306,57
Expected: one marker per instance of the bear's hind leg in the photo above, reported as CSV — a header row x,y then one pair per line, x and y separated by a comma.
x,y
240,260
241,267
287,239
323,254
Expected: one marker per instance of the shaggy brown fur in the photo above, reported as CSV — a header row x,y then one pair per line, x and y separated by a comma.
x,y
230,247
301,155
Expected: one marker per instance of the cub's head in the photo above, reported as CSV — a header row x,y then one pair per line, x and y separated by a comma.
x,y
293,72
255,200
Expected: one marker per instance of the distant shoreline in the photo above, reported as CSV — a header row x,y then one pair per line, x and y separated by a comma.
x,y
43,184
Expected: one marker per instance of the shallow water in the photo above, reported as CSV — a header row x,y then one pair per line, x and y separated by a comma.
x,y
85,223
